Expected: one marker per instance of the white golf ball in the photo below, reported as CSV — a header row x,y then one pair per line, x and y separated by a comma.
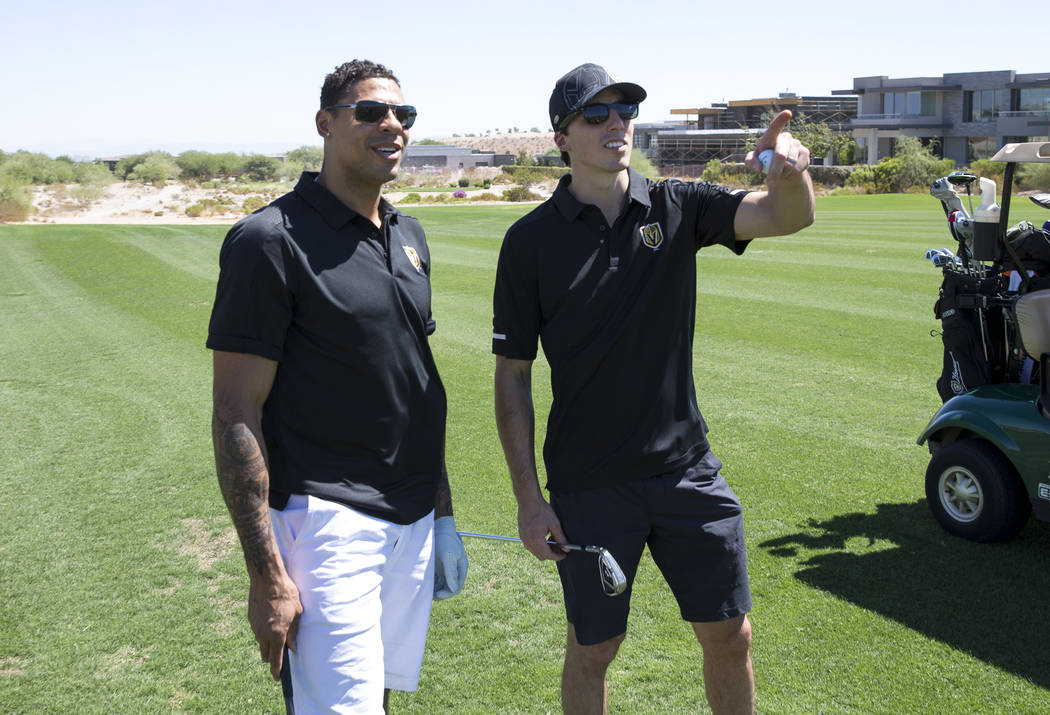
x,y
765,156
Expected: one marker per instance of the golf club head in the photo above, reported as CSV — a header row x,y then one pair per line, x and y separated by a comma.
x,y
613,581
1041,200
961,178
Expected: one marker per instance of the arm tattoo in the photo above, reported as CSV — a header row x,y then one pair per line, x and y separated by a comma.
x,y
244,481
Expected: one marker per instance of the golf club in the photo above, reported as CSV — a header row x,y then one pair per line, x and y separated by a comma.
x,y
613,581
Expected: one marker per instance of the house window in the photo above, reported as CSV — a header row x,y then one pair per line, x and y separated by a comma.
x,y
983,105
1035,100
652,141
639,141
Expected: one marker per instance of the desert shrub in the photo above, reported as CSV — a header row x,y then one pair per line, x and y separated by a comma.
x,y
84,194
16,201
519,193
197,165
519,174
435,198
310,157
861,176
155,169
459,194
642,164
412,198
830,176
290,170
464,183
913,165
194,210
253,203
93,174
260,168
25,167
1034,177
713,171
487,196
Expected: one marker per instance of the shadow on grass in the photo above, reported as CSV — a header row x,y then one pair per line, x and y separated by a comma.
x,y
985,599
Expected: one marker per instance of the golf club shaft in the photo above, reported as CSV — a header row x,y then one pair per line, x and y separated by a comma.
x,y
570,547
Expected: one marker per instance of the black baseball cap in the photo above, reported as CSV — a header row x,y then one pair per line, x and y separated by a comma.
x,y
580,85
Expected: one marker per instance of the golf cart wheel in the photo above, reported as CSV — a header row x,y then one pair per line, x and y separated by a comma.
x,y
974,492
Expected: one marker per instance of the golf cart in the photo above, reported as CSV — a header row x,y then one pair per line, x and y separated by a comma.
x,y
990,440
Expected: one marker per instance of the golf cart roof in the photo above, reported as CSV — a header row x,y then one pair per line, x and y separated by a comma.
x,y
1027,151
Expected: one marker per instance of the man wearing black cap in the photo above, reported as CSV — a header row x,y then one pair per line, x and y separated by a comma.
x,y
604,273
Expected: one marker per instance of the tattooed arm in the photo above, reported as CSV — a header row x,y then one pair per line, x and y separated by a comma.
x,y
241,384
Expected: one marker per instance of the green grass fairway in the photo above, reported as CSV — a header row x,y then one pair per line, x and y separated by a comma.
x,y
123,587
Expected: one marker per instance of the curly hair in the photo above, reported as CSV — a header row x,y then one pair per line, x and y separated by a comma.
x,y
338,82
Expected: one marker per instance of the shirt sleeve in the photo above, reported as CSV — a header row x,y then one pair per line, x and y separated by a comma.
x,y
716,208
253,303
515,301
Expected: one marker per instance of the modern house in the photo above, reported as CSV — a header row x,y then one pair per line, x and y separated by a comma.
x,y
721,131
443,156
965,115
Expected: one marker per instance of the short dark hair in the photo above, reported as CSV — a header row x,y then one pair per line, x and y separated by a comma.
x,y
338,82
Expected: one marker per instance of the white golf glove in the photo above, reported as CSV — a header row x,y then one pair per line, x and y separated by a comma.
x,y
450,559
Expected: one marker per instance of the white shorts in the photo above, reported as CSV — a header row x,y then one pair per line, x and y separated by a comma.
x,y
366,587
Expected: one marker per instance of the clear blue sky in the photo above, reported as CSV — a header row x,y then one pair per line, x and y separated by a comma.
x,y
93,79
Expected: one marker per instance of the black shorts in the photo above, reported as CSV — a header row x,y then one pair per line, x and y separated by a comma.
x,y
693,525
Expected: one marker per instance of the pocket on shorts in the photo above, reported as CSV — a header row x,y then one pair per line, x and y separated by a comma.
x,y
702,472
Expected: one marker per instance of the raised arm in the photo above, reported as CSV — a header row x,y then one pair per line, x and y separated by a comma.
x,y
787,205
516,420
241,385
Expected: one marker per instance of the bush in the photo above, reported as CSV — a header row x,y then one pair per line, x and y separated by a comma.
x,y
194,210
459,194
311,157
642,164
155,169
519,193
412,198
16,201
713,171
464,183
25,167
1035,177
519,174
252,204
994,170
261,168
487,196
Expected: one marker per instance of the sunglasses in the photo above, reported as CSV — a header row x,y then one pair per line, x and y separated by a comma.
x,y
371,112
598,113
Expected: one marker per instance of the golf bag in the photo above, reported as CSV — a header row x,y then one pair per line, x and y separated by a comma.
x,y
961,309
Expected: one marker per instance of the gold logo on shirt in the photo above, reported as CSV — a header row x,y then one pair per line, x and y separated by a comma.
x,y
652,236
413,258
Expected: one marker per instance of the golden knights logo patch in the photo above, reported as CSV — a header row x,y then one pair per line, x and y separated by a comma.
x,y
652,236
413,258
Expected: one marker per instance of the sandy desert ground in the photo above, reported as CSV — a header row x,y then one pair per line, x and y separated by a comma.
x,y
127,202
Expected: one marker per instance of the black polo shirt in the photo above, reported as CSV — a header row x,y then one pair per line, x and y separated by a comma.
x,y
615,309
357,410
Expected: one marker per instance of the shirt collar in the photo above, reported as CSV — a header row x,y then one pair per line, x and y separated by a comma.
x,y
334,212
570,207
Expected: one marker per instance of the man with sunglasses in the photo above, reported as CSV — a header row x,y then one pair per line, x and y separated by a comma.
x,y
604,273
329,415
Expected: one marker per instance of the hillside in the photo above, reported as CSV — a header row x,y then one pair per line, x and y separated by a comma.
x,y
532,142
